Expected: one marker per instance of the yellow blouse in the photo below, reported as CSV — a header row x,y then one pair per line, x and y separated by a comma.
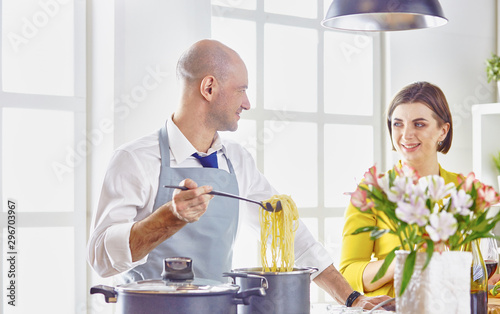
x,y
358,250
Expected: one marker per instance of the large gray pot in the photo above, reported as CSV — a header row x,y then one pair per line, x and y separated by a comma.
x,y
178,292
287,292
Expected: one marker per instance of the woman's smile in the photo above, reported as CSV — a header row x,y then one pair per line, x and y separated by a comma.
x,y
410,147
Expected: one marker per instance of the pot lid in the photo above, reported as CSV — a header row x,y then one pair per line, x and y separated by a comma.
x,y
178,278
195,287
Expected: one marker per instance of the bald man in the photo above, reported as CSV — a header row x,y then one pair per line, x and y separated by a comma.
x,y
138,222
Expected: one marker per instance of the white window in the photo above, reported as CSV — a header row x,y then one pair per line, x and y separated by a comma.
x,y
43,160
314,127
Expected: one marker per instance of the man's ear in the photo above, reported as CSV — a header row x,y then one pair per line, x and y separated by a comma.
x,y
207,86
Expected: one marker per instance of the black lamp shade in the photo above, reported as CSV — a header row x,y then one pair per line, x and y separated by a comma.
x,y
384,15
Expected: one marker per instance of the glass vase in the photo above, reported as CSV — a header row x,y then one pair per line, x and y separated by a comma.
x,y
443,287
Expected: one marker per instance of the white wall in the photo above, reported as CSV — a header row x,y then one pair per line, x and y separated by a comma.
x,y
452,57
150,37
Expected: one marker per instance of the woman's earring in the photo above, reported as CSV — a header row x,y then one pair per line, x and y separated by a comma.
x,y
440,143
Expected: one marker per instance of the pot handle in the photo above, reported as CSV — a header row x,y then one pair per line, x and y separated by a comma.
x,y
243,297
312,269
110,295
263,280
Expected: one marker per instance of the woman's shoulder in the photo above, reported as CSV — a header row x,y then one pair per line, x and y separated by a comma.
x,y
448,176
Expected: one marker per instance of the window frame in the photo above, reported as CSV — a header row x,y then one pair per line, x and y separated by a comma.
x,y
77,219
259,114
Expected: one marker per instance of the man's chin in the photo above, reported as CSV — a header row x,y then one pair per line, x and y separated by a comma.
x,y
233,127
229,129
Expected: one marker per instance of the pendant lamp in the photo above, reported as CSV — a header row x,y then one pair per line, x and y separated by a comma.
x,y
384,15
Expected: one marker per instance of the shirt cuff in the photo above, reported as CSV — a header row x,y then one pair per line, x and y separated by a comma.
x,y
118,247
316,256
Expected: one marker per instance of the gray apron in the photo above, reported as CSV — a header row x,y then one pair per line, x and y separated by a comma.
x,y
208,241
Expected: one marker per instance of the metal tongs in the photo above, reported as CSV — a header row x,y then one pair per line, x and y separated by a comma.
x,y
266,206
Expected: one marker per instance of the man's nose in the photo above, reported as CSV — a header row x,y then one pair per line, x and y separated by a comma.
x,y
246,103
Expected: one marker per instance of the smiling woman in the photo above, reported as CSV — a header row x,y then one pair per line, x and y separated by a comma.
x,y
416,135
420,125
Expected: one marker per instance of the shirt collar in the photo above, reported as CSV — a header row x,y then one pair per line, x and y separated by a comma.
x,y
180,146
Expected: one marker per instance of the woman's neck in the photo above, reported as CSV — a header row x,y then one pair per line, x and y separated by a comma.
x,y
425,169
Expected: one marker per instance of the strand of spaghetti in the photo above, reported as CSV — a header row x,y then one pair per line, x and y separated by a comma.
x,y
278,229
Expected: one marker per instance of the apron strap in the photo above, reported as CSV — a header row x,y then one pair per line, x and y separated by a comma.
x,y
164,147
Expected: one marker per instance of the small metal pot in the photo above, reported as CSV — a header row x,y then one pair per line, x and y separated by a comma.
x,y
178,292
287,292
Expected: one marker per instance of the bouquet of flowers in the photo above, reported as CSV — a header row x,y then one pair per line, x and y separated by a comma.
x,y
425,213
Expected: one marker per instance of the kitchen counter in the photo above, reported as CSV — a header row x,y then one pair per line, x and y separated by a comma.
x,y
321,308
493,305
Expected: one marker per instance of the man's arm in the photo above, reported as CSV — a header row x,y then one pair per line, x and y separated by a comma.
x,y
335,285
185,207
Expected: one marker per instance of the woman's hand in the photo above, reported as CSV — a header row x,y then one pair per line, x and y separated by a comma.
x,y
494,279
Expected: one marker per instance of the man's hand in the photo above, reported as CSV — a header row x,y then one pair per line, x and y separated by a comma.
x,y
337,286
191,204
185,207
368,303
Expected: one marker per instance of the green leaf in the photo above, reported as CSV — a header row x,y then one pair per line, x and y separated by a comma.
x,y
429,251
365,229
378,233
387,262
378,194
496,161
496,289
492,68
408,270
392,176
428,203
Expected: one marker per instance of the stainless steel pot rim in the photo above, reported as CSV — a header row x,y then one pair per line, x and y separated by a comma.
x,y
259,271
191,288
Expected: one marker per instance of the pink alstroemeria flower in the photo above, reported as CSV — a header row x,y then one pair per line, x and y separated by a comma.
x,y
486,197
407,171
371,177
467,181
359,200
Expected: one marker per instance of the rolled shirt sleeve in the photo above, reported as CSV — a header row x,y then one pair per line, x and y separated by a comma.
x,y
309,252
126,197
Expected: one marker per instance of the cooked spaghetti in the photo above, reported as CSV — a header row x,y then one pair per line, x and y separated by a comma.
x,y
277,229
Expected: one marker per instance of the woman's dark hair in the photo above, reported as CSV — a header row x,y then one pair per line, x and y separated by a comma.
x,y
431,96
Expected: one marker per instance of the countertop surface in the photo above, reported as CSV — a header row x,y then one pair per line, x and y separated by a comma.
x,y
493,305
